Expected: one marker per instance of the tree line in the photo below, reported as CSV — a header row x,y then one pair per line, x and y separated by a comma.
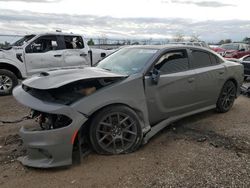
x,y
177,38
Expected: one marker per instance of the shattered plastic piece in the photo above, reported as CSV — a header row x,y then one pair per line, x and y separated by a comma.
x,y
203,139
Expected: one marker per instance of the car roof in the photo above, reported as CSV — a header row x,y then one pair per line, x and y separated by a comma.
x,y
54,33
173,47
168,46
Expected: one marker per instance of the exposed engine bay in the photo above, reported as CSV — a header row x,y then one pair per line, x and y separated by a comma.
x,y
72,92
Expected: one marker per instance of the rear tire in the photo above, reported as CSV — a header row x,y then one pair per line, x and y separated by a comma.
x,y
8,81
115,130
227,97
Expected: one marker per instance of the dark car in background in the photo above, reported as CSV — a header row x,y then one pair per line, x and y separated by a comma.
x,y
245,61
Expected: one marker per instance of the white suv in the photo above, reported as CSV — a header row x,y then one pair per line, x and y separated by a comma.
x,y
42,52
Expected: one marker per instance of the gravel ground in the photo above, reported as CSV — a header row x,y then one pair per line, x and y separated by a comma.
x,y
205,150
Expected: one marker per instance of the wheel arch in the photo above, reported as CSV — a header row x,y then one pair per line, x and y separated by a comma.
x,y
233,80
86,125
82,133
11,68
137,111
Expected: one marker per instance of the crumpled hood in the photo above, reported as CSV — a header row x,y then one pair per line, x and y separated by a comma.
x,y
57,78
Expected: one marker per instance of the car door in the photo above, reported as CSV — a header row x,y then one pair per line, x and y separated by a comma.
x,y
174,92
43,54
246,64
75,52
210,76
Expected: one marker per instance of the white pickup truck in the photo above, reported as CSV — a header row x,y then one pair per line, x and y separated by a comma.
x,y
42,52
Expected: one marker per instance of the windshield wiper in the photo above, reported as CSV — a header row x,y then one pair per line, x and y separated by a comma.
x,y
107,69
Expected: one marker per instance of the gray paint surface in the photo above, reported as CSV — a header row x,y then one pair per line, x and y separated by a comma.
x,y
176,95
57,78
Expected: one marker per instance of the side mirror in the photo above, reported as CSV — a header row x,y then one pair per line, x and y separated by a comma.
x,y
103,55
242,50
155,75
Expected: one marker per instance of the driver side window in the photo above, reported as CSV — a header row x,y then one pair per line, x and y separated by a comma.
x,y
43,44
172,62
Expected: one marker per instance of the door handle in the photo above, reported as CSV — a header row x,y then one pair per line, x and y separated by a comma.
x,y
83,55
58,55
190,80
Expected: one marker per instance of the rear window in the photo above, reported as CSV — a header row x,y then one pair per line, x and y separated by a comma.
x,y
230,46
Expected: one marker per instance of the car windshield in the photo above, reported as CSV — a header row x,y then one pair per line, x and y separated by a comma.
x,y
230,46
21,41
127,61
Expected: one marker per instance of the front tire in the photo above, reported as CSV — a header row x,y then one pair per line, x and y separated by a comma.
x,y
8,81
115,130
227,97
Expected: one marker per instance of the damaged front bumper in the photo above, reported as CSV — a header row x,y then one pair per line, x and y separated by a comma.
x,y
51,147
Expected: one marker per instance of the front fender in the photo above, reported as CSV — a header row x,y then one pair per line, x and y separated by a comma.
x,y
18,65
129,92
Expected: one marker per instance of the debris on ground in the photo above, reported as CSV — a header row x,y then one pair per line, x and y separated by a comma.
x,y
203,139
12,139
12,149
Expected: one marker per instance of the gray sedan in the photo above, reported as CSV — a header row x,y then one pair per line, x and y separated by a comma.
x,y
121,103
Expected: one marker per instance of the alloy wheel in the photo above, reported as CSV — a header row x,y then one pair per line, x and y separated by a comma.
x,y
228,96
5,83
116,132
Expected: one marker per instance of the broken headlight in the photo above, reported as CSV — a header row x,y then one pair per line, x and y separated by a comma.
x,y
50,121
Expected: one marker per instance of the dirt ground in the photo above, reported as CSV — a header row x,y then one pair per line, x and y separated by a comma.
x,y
205,150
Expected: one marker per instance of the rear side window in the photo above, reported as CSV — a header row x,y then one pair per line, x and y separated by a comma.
x,y
246,58
214,59
200,59
172,62
73,42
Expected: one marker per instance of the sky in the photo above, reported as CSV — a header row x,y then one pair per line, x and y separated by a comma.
x,y
210,20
